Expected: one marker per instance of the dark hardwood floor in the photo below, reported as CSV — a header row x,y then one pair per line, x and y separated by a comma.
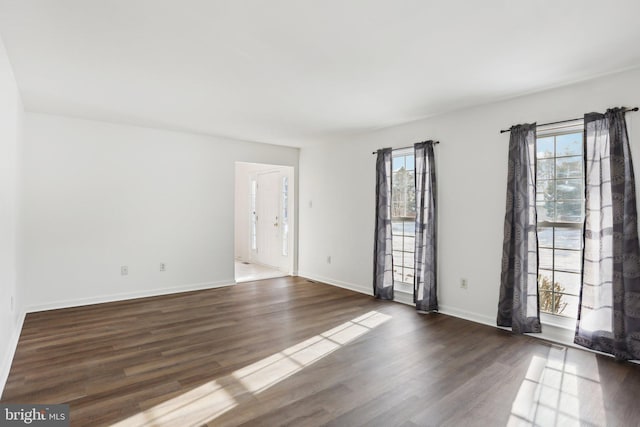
x,y
291,352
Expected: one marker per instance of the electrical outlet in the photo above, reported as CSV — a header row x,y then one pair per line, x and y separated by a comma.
x,y
329,259
163,266
464,284
124,270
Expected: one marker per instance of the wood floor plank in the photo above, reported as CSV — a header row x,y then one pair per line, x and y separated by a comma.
x,y
289,351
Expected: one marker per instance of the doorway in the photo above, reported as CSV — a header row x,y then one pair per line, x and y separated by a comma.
x,y
264,201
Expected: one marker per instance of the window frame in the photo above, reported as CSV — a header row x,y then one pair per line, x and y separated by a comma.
x,y
284,218
558,319
402,286
253,214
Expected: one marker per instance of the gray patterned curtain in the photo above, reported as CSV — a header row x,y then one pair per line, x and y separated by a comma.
x,y
424,285
382,255
609,311
518,306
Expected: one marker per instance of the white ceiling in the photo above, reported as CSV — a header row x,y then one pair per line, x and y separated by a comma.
x,y
296,72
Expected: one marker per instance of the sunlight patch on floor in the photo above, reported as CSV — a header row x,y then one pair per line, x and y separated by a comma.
x,y
207,402
187,409
554,393
267,372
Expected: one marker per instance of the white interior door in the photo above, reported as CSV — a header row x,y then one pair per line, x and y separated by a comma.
x,y
268,220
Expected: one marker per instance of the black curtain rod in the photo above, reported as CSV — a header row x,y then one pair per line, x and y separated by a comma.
x,y
567,121
403,148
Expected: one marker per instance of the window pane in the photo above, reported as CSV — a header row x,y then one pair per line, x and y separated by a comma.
x,y
546,211
254,217
552,302
396,228
408,275
410,228
544,278
545,289
567,305
397,243
570,144
544,147
545,169
569,189
569,282
569,167
568,260
403,194
397,274
568,238
545,237
409,162
409,244
547,190
545,258
397,259
569,211
407,260
546,301
411,195
398,163
285,216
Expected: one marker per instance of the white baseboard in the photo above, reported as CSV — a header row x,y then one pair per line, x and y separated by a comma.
x,y
404,298
467,315
129,295
11,351
550,332
338,283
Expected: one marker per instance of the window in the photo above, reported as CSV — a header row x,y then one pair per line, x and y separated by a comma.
x,y
560,206
403,216
254,215
285,216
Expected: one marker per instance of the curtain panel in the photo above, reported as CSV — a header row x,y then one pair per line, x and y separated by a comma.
x,y
518,306
424,285
609,310
383,245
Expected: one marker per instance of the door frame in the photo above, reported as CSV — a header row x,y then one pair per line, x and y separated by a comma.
x,y
243,213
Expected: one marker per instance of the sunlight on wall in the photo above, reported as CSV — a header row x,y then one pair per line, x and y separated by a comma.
x,y
207,402
554,393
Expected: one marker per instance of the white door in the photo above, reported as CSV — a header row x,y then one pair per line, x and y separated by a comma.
x,y
268,220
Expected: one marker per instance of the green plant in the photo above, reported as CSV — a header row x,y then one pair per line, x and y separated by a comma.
x,y
551,296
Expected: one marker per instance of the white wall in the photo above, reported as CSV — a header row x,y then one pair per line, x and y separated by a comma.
x,y
339,180
242,221
11,114
98,196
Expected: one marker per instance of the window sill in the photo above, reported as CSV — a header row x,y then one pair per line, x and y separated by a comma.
x,y
403,296
558,321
